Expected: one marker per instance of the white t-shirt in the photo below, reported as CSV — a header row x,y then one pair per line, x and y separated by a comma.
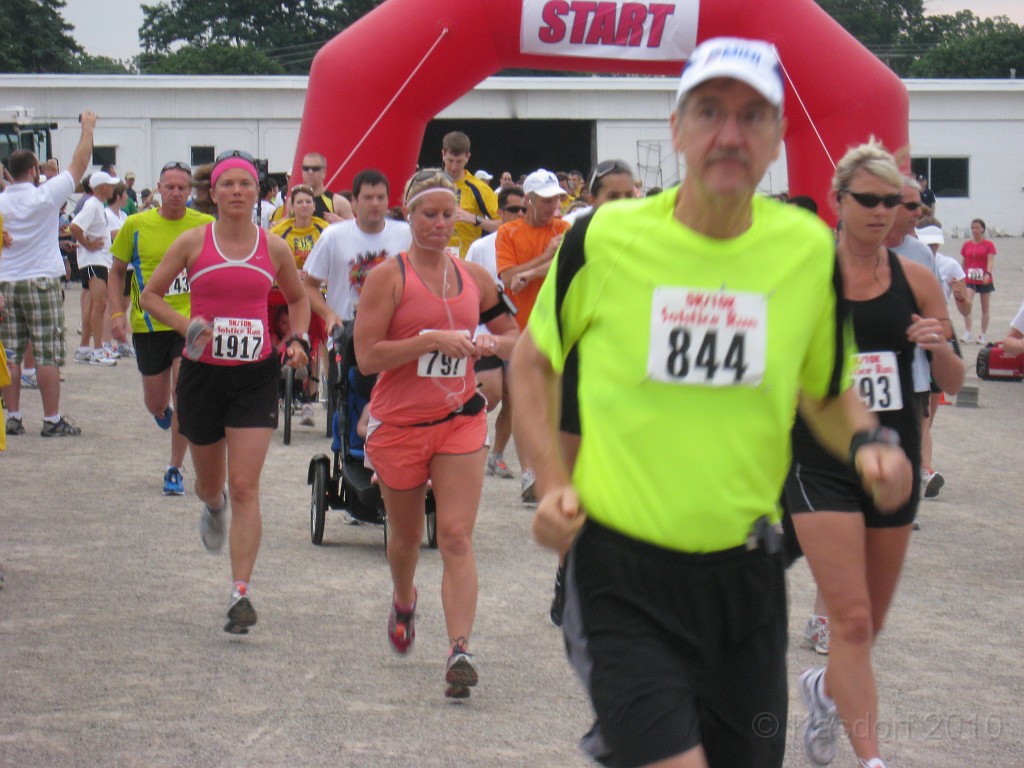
x,y
1018,320
344,255
484,252
949,270
263,212
92,220
32,217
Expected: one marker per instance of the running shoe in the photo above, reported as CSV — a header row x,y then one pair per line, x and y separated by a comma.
x,y
966,337
497,467
102,358
164,422
307,415
821,741
982,339
241,614
558,601
816,635
111,352
174,482
460,675
29,380
529,494
402,627
14,426
211,526
932,483
125,350
874,762
60,428
83,356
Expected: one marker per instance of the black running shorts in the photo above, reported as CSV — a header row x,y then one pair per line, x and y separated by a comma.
x,y
212,397
155,352
678,650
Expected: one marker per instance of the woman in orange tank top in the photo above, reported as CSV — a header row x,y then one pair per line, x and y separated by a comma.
x,y
415,327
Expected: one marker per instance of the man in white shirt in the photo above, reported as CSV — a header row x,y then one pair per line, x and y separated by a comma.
x,y
347,251
490,371
30,279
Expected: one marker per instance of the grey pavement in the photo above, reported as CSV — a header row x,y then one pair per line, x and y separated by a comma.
x,y
112,651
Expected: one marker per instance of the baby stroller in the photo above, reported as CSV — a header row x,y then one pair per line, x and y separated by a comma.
x,y
345,483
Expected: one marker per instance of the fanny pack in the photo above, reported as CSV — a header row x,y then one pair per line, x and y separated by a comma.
x,y
471,407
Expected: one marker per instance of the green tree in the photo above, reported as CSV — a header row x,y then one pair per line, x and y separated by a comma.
x,y
991,49
288,33
213,59
102,65
35,38
876,22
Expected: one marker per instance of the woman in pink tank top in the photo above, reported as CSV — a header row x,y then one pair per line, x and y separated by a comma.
x,y
227,388
415,326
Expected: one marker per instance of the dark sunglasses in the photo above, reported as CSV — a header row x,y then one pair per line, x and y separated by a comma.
x,y
175,165
604,168
912,206
869,200
515,208
312,168
230,153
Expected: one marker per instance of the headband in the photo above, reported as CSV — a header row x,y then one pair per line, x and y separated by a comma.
x,y
227,165
422,192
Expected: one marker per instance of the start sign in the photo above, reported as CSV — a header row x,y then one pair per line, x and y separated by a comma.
x,y
619,29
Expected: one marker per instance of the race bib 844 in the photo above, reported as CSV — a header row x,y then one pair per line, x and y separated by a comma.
x,y
707,338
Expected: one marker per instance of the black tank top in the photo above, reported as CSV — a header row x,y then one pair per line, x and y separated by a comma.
x,y
879,325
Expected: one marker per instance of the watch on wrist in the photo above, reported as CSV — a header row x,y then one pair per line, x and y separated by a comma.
x,y
478,220
883,435
303,339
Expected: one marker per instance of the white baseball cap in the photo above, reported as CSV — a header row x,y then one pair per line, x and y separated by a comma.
x,y
543,183
753,62
483,175
102,177
931,235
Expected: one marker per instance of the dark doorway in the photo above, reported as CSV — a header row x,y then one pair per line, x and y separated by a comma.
x,y
519,146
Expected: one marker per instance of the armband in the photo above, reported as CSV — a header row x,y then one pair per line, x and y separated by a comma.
x,y
883,435
503,307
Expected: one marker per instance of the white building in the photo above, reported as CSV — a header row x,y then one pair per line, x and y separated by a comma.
x,y
965,134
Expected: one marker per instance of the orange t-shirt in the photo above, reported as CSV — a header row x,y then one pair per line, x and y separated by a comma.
x,y
518,243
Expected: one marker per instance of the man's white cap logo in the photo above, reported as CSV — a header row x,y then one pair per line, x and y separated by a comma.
x,y
753,62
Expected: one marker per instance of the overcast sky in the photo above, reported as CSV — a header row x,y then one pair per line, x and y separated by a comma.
x,y
114,30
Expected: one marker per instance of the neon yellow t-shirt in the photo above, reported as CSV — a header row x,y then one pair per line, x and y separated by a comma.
x,y
142,242
692,354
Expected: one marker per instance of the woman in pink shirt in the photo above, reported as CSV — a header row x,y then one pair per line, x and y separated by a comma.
x,y
979,257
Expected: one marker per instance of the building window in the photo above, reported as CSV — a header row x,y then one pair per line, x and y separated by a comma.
x,y
104,156
201,155
947,176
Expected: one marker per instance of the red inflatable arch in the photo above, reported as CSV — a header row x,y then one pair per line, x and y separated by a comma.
x,y
374,87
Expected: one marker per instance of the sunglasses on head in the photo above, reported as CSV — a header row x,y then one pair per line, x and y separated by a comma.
x,y
228,154
175,165
515,208
604,168
869,200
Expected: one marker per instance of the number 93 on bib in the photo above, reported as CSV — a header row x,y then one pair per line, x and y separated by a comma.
x,y
707,338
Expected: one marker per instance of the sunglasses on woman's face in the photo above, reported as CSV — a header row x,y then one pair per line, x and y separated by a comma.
x,y
869,200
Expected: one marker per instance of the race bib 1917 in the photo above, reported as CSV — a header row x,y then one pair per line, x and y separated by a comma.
x,y
237,339
707,338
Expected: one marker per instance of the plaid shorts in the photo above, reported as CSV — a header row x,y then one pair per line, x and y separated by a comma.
x,y
33,311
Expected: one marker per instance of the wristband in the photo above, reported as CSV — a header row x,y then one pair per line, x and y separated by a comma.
x,y
303,339
882,435
117,314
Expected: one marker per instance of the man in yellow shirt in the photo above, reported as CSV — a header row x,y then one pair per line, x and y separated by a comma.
x,y
477,213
